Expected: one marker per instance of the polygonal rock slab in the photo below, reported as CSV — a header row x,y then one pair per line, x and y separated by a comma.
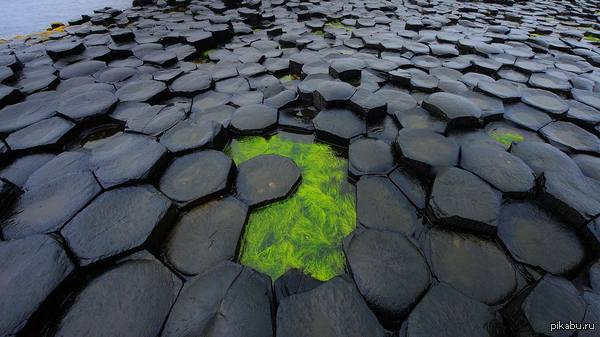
x,y
380,205
265,179
31,269
189,134
459,198
131,299
82,68
410,185
543,157
87,104
19,170
504,171
557,249
191,84
141,91
553,299
589,165
392,293
115,222
369,156
254,119
45,133
338,126
206,236
20,115
458,110
330,94
574,196
444,312
425,150
293,282
61,165
334,309
229,300
125,158
47,207
197,177
473,266
570,137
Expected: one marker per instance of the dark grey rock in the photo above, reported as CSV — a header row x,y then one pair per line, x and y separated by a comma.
x,y
206,236
338,126
197,177
459,111
228,300
334,309
369,156
45,133
254,119
265,179
425,150
31,269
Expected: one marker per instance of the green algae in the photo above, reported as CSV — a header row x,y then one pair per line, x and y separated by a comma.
x,y
592,39
306,230
506,138
289,77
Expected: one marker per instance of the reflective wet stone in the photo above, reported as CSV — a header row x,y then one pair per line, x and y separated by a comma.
x,y
332,94
459,198
82,68
20,169
32,268
558,248
369,156
589,165
526,116
265,179
115,222
543,157
459,111
407,275
20,115
191,84
254,119
334,309
338,126
125,158
197,177
544,100
191,251
156,119
228,300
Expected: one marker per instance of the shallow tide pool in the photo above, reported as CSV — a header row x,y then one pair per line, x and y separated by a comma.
x,y
306,230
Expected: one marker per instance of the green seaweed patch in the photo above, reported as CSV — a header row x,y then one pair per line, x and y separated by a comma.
x,y
506,138
289,77
319,32
337,24
204,56
590,38
306,230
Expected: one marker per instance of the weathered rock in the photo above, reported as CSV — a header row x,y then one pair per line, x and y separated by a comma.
x,y
31,269
504,171
189,135
569,137
392,293
115,222
380,205
45,133
142,91
131,299
254,119
426,151
457,110
293,282
589,165
229,300
197,177
206,236
333,309
542,157
445,312
476,267
553,299
126,158
459,198
47,207
557,249
369,156
330,94
87,104
19,171
265,179
20,115
338,126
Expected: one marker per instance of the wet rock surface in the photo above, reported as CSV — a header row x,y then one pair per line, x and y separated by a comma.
x,y
471,131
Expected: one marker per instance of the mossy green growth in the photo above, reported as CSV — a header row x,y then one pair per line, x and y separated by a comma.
x,y
306,230
592,39
506,138
289,77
